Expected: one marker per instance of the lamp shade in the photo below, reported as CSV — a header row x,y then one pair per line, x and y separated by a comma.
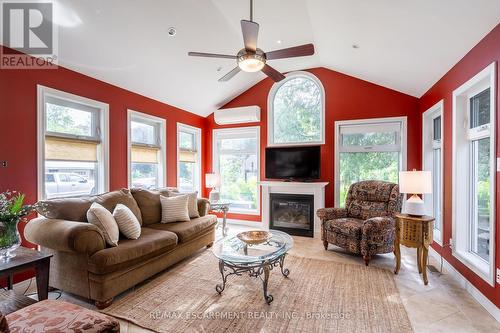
x,y
415,182
212,180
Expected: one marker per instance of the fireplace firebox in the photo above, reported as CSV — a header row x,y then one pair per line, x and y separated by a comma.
x,y
292,213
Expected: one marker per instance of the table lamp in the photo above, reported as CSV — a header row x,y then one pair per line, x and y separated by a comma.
x,y
212,181
415,183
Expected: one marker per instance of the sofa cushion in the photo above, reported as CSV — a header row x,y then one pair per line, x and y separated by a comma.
x,y
109,201
132,251
59,316
188,230
149,203
70,209
349,227
127,223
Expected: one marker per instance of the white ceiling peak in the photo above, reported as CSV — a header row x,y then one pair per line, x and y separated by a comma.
x,y
405,45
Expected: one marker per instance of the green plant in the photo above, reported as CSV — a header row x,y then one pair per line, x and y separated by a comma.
x,y
12,210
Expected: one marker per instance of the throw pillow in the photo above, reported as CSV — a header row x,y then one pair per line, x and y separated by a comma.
x,y
104,220
127,223
174,209
109,201
192,202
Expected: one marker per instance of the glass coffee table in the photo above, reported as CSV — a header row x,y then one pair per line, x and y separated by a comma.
x,y
236,257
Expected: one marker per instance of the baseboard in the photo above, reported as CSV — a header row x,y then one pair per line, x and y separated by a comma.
x,y
471,289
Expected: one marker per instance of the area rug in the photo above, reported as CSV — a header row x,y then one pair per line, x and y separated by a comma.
x,y
317,296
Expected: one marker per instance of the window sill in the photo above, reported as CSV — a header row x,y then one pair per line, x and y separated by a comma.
x,y
477,265
243,211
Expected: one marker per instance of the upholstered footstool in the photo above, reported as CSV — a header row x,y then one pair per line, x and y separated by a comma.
x,y
58,317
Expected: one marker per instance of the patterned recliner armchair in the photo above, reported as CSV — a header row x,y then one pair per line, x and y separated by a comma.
x,y
366,225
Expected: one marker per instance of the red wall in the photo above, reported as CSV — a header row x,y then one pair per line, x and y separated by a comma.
x,y
18,124
347,98
483,54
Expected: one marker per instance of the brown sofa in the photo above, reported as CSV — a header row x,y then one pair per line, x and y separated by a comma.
x,y
82,263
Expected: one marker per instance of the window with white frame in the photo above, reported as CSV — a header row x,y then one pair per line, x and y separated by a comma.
x,y
433,162
236,159
188,158
474,173
296,111
146,146
72,145
368,149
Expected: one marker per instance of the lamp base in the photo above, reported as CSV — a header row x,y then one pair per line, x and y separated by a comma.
x,y
214,195
414,206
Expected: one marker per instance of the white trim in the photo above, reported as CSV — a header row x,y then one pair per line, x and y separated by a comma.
x,y
197,132
255,224
338,124
270,111
162,175
215,161
437,110
489,306
467,258
103,152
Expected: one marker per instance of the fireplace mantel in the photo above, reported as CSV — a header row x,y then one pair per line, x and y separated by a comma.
x,y
315,188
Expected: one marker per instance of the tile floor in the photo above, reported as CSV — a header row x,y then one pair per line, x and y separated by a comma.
x,y
441,306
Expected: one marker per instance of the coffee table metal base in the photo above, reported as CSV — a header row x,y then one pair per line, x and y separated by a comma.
x,y
260,270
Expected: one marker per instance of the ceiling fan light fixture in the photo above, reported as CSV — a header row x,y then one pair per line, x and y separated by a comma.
x,y
251,62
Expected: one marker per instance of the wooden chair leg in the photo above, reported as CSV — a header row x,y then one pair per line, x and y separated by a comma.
x,y
325,244
103,304
366,258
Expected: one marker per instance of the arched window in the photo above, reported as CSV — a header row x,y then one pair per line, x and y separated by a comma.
x,y
296,111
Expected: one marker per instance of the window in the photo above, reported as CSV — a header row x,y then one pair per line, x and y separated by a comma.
x,y
296,111
432,161
474,173
368,149
188,158
236,159
72,145
146,142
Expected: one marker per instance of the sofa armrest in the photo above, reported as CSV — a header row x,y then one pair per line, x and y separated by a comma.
x,y
326,214
203,206
63,235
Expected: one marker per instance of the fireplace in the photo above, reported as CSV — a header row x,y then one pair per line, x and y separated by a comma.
x,y
292,213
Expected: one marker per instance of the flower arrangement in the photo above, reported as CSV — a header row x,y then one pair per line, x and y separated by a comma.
x,y
12,210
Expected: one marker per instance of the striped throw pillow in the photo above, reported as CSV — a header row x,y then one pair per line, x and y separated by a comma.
x,y
174,209
104,220
192,202
128,224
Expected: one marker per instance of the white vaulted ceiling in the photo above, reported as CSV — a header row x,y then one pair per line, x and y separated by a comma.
x,y
405,45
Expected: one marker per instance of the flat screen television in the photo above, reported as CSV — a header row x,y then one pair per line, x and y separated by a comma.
x,y
293,163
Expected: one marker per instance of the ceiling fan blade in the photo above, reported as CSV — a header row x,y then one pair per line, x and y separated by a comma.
x,y
296,51
250,32
230,75
211,55
272,73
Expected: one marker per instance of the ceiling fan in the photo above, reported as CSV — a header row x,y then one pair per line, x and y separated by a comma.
x,y
253,59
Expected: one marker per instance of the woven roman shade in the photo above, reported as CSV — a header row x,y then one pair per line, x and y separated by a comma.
x,y
140,154
57,148
187,156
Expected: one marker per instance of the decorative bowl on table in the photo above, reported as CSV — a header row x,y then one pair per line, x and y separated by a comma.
x,y
254,237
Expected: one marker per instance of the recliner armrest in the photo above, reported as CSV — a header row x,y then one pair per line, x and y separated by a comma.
x,y
326,214
203,206
63,235
379,223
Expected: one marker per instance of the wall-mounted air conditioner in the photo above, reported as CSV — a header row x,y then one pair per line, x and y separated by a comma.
x,y
246,114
